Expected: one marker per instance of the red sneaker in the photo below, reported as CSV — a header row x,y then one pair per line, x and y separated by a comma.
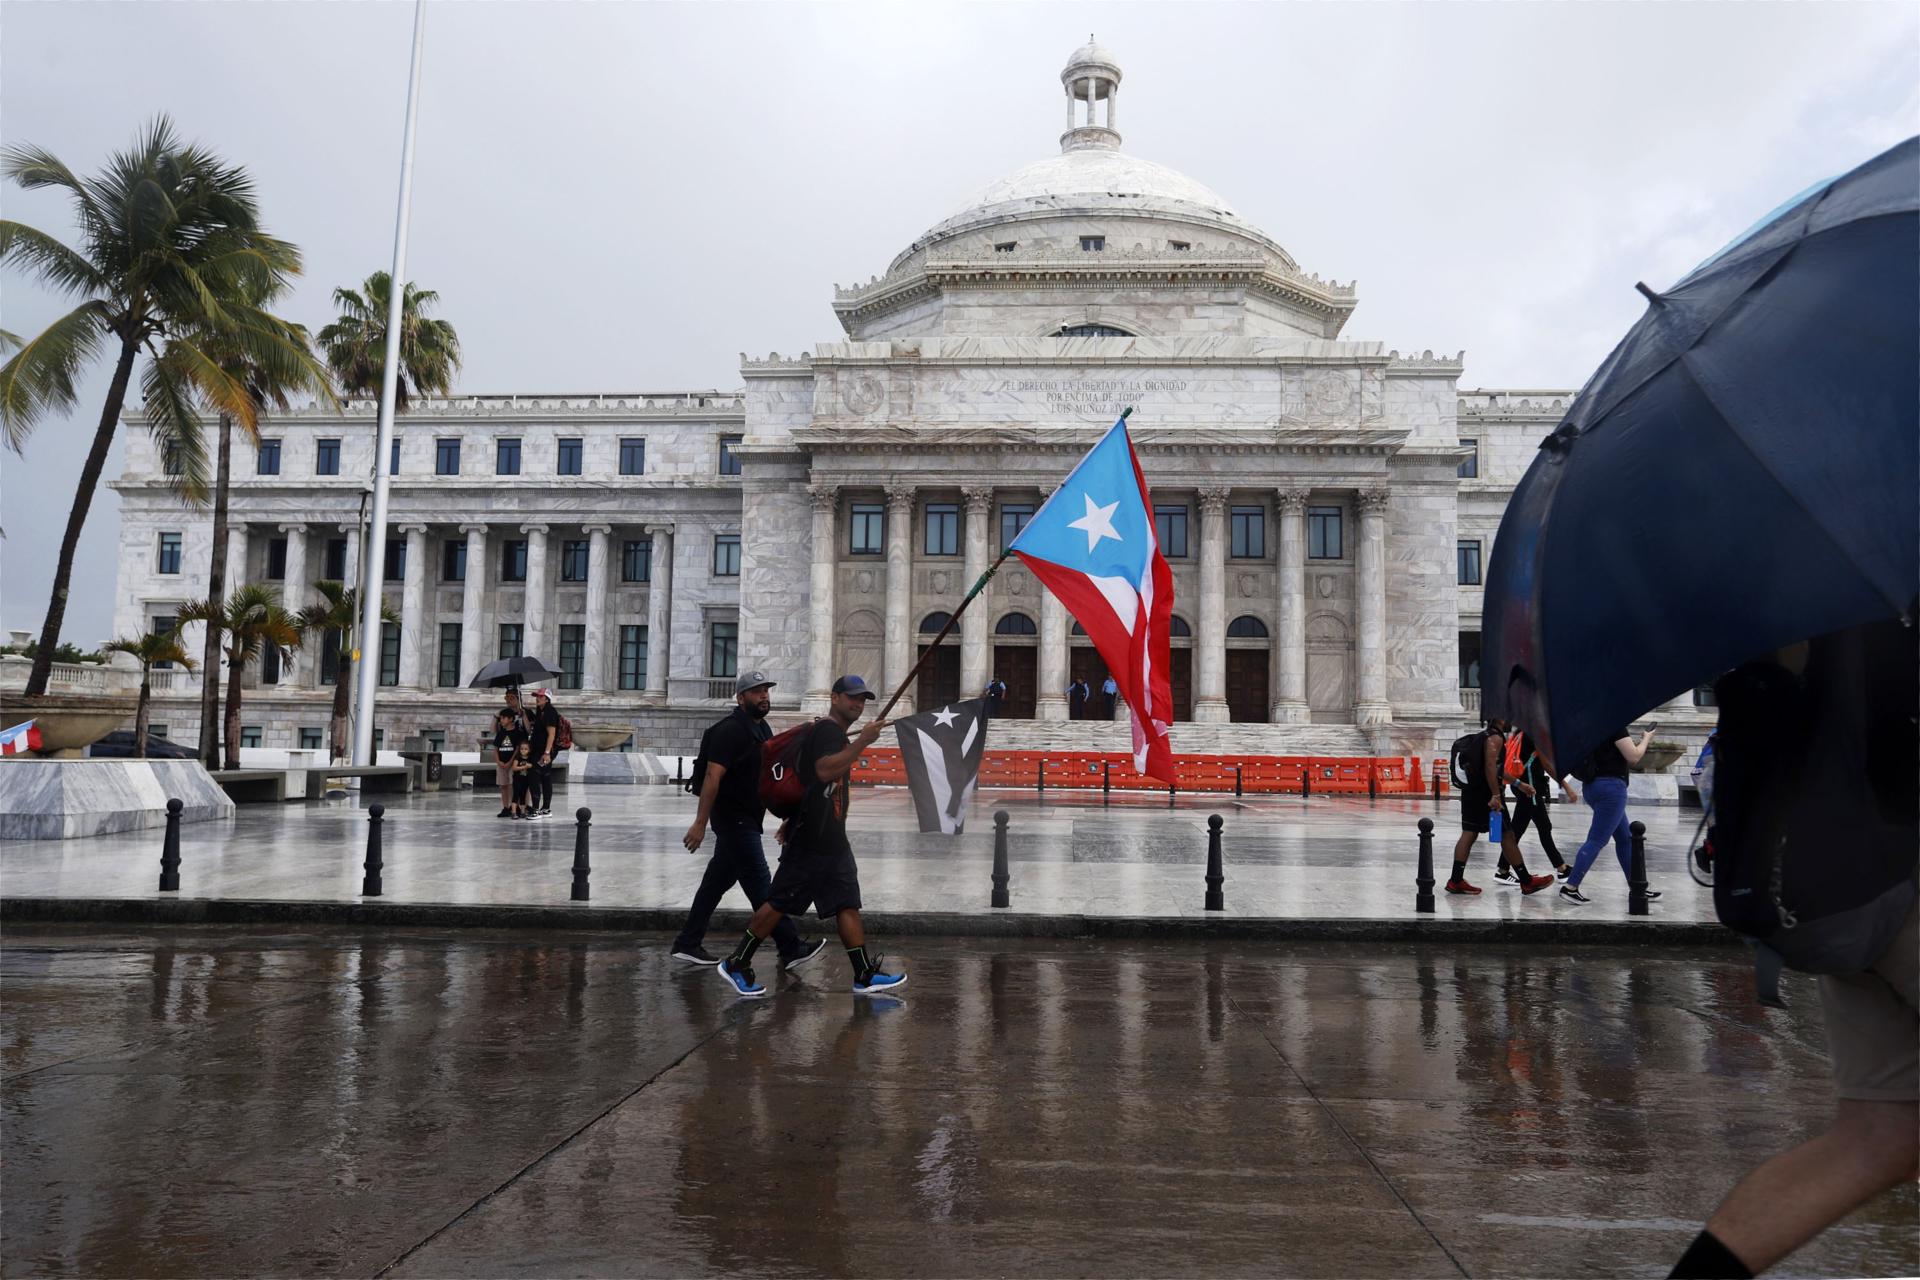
x,y
1460,886
1535,884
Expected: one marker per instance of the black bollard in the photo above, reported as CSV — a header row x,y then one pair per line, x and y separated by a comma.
x,y
1373,786
1637,871
1172,787
1237,792
1106,778
583,818
1216,901
1423,878
1000,877
170,849
370,883
1040,775
1436,786
1306,783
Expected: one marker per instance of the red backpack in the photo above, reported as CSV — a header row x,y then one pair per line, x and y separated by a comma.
x,y
781,786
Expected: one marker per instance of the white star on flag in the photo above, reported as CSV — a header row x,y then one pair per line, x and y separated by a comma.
x,y
1098,522
945,717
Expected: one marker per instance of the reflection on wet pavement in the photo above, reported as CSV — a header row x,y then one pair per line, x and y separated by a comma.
x,y
338,1101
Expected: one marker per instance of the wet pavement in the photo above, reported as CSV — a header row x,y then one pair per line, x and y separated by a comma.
x,y
1328,858
474,1102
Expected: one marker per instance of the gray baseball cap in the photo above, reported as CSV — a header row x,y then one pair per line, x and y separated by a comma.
x,y
751,680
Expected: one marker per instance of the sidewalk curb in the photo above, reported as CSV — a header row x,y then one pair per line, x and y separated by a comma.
x,y
1008,924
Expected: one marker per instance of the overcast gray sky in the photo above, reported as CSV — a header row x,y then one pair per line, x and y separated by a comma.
x,y
623,197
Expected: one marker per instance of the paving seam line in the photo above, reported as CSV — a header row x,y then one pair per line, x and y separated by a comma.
x,y
153,1042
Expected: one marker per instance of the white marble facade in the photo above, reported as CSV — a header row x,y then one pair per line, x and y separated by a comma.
x,y
1318,478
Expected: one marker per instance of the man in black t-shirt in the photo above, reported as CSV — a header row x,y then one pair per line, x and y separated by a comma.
x,y
730,801
543,726
507,737
816,867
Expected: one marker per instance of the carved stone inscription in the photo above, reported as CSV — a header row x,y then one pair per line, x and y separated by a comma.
x,y
1094,399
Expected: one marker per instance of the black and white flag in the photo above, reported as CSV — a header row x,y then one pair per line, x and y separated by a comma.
x,y
942,751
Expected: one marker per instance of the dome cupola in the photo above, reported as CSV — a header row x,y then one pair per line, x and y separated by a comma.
x,y
1092,78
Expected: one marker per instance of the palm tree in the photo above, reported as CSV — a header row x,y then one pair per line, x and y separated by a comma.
x,y
338,613
274,360
155,646
356,343
171,249
252,621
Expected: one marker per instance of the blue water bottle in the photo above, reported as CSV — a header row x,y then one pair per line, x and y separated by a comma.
x,y
1493,825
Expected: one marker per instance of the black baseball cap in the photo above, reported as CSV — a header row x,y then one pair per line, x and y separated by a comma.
x,y
853,685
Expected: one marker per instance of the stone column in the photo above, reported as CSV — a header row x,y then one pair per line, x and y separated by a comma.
x,y
473,613
594,678
1051,701
351,577
1210,696
1290,690
413,607
973,623
293,596
1370,609
236,556
820,620
899,642
533,614
659,608
1113,105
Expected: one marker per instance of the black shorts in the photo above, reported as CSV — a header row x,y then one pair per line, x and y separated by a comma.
x,y
829,882
1474,811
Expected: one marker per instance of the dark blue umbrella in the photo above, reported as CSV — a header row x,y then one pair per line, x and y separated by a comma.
x,y
1741,473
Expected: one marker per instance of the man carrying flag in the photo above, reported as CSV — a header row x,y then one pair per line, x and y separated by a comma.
x,y
1092,544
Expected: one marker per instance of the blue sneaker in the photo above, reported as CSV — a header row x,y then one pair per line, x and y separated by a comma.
x,y
878,981
741,980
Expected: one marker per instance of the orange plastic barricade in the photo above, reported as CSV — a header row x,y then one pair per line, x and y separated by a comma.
x,y
1254,775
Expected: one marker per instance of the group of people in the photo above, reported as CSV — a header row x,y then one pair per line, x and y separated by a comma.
x,y
1080,704
816,863
1505,760
525,742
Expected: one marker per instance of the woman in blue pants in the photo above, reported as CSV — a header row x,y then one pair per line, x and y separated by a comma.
x,y
1607,797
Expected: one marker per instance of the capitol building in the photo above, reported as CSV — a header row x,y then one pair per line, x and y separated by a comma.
x,y
1327,505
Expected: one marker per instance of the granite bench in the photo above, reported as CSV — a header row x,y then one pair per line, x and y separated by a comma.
x,y
375,779
253,786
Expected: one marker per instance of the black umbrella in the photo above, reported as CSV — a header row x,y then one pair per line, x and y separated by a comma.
x,y
1741,473
512,671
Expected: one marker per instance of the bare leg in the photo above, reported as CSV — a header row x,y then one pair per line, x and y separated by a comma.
x,y
1869,1148
764,919
852,932
1464,845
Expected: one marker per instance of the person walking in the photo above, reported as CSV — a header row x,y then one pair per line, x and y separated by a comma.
x,y
543,729
729,763
502,773
508,737
1111,688
1482,796
1606,780
816,865
1526,773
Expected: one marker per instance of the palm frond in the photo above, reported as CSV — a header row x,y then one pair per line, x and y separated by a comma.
x,y
40,378
56,264
174,420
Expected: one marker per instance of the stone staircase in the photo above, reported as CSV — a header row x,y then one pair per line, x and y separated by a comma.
x,y
1188,739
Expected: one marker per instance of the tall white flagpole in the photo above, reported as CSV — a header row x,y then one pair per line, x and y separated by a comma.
x,y
373,563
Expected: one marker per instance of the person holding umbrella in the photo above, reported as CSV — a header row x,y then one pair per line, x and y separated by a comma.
x,y
543,726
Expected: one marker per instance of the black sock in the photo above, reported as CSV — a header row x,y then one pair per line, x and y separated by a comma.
x,y
1519,867
1459,868
743,952
857,957
1707,1259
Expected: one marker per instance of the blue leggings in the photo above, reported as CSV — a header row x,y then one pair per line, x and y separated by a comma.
x,y
1607,797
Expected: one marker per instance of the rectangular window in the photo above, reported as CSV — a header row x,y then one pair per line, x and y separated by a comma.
x,y
633,657
1248,532
506,456
277,562
633,457
513,560
867,530
1704,696
170,457
336,565
1170,527
453,560
309,739
636,560
389,654
268,461
326,457
436,739
943,529
449,655
1470,465
723,651
1469,659
396,559
573,654
159,731
726,555
1006,246
393,457
512,640
169,553
270,664
330,656
1467,561
573,560
729,460
1093,244
1179,246
1013,518
379,741
163,624
571,454
249,735
1323,533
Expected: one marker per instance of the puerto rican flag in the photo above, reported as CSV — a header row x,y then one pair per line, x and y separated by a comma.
x,y
1092,543
22,737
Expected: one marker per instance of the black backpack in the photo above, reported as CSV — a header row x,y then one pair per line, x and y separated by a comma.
x,y
697,778
1816,808
1467,760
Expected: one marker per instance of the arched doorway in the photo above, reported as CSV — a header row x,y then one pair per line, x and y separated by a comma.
x,y
1329,669
1085,663
1016,655
1182,668
939,682
862,641
1247,665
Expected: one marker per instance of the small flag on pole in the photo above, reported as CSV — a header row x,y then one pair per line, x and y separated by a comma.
x,y
942,752
22,737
